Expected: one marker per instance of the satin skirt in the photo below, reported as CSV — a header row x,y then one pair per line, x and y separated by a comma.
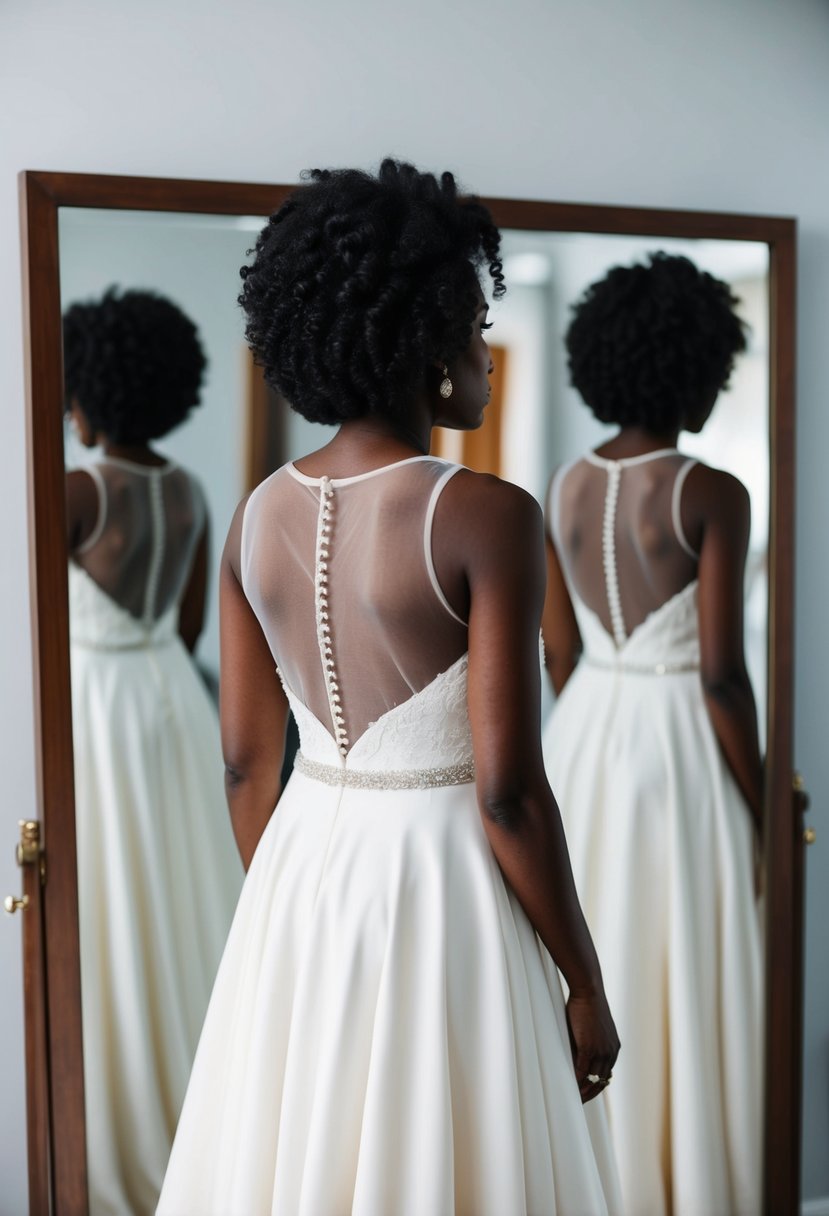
x,y
387,1035
661,844
158,880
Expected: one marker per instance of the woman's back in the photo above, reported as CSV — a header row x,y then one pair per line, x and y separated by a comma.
x,y
341,577
617,528
150,519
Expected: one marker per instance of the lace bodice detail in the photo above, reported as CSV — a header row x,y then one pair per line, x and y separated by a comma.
x,y
629,567
98,623
341,577
430,730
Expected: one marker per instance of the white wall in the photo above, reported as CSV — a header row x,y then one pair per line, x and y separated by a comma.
x,y
673,103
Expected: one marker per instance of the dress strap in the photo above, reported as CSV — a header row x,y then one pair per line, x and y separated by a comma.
x,y
158,526
442,481
554,501
676,502
100,486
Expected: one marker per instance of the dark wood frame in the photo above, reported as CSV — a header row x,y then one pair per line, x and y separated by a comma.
x,y
57,1069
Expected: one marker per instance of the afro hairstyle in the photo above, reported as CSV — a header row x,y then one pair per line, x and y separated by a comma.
x,y
133,362
651,345
359,283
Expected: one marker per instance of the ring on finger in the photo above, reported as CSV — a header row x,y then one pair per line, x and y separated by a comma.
x,y
595,1079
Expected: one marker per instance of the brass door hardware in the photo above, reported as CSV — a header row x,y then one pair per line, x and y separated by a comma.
x,y
28,850
802,804
14,904
28,853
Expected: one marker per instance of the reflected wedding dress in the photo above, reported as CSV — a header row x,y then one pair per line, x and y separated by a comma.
x,y
387,1035
661,844
158,870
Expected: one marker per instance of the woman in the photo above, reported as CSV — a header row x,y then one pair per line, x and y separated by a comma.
x,y
387,1034
653,741
158,874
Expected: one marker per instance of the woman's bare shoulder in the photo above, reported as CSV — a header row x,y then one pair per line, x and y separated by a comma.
x,y
715,503
714,491
491,495
492,515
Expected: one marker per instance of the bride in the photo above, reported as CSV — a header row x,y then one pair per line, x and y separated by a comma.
x,y
388,1034
653,744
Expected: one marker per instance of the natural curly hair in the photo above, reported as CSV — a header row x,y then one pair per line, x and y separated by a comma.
x,y
651,344
133,362
359,282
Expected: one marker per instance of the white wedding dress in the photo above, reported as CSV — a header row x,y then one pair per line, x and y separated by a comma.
x,y
387,1035
661,844
158,870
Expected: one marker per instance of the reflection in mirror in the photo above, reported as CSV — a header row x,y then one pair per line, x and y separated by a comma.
x,y
652,745
151,482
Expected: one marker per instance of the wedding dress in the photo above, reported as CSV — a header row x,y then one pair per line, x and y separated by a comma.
x,y
660,839
387,1035
158,870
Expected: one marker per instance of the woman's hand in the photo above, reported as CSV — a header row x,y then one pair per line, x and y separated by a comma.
x,y
594,1041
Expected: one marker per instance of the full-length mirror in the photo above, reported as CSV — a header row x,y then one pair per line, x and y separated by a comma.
x,y
168,424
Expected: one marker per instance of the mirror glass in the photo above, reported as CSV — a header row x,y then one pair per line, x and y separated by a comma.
x,y
158,869
540,422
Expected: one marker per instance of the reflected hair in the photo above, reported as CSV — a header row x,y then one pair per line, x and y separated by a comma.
x,y
651,343
360,282
134,363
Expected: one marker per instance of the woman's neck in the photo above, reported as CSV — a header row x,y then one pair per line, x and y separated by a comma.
x,y
636,441
370,442
137,453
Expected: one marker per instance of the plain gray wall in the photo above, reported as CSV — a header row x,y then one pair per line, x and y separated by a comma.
x,y
671,103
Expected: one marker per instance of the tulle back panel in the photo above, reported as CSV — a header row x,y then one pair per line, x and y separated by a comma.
x,y
617,528
339,575
141,551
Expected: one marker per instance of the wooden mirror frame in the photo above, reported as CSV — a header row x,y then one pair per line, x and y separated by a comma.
x,y
55,1088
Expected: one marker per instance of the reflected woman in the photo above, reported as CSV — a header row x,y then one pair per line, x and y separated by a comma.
x,y
388,1034
652,746
158,873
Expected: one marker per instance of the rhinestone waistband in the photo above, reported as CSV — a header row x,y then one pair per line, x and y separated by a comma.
x,y
145,643
407,779
641,669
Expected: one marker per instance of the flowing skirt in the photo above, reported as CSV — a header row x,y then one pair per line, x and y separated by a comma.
x,y
387,1035
158,880
661,844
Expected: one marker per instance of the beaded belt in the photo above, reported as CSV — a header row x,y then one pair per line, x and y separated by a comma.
x,y
147,643
406,779
641,669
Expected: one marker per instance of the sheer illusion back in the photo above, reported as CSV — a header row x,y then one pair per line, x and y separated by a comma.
x,y
617,527
340,575
150,519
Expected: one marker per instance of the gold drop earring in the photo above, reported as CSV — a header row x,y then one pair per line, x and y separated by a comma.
x,y
445,384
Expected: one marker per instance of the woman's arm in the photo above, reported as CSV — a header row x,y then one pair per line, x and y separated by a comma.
x,y
500,545
562,640
252,705
723,506
194,600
